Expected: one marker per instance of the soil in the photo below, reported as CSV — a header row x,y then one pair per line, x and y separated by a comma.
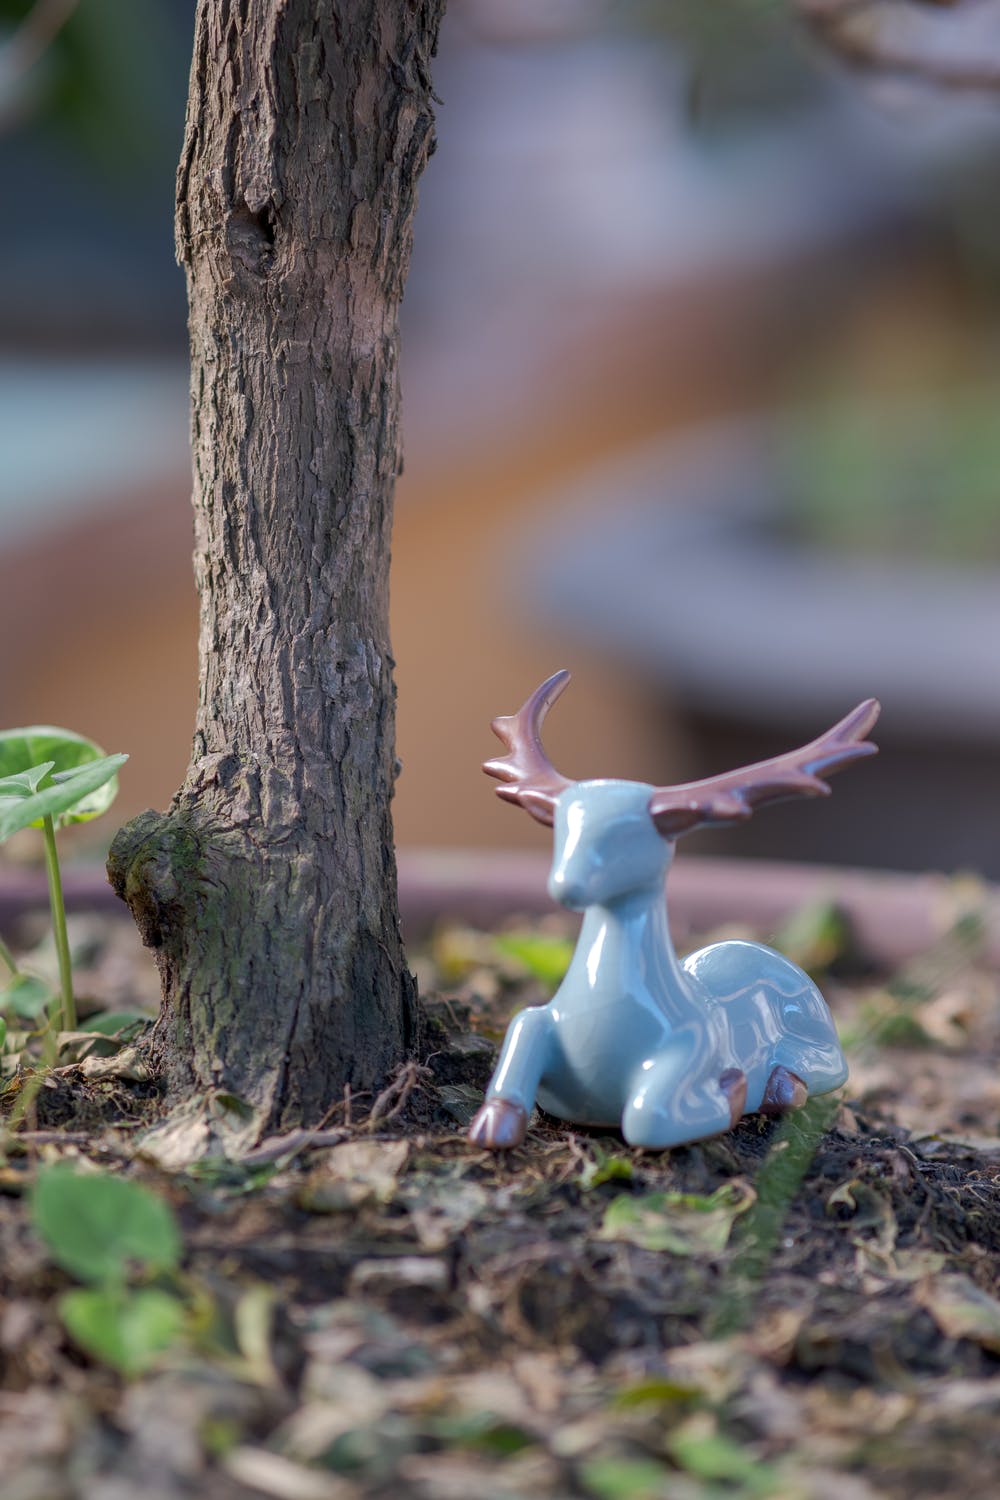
x,y
802,1308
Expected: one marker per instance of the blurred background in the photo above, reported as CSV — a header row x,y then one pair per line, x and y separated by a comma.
x,y
701,375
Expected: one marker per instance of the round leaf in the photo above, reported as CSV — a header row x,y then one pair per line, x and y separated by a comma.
x,y
26,995
75,797
110,1022
94,1226
24,749
126,1330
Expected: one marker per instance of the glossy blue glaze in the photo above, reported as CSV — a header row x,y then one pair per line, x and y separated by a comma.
x,y
634,1038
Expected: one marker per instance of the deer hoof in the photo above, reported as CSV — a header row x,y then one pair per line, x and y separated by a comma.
x,y
733,1083
498,1125
785,1091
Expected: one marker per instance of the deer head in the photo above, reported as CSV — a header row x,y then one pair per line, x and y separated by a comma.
x,y
617,836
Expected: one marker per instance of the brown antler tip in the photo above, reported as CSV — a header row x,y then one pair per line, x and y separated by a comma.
x,y
732,797
530,778
847,740
553,686
863,720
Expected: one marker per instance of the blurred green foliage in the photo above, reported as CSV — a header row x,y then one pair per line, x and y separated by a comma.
x,y
110,84
746,59
916,478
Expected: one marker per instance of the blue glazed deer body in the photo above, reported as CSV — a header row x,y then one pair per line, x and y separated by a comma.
x,y
669,1052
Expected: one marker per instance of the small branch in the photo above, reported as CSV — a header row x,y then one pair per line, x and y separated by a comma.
x,y
922,42
291,1144
394,1098
26,47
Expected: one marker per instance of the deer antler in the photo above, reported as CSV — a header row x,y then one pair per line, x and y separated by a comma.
x,y
729,798
532,780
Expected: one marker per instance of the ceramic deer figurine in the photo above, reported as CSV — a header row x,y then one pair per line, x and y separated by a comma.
x,y
670,1052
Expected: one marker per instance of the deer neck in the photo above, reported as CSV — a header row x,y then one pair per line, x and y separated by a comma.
x,y
625,954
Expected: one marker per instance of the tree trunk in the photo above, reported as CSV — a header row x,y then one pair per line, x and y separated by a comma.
x,y
268,890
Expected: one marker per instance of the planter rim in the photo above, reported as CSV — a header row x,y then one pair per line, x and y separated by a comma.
x,y
702,595
895,916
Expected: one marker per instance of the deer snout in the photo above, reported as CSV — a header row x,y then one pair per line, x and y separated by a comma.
x,y
567,890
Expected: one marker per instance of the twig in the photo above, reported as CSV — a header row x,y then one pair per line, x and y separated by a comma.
x,y
27,46
863,37
291,1144
48,1138
394,1098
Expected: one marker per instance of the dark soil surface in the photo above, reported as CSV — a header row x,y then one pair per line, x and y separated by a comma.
x,y
801,1309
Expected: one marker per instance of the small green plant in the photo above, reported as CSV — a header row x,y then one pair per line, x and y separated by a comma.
x,y
543,955
106,1232
49,778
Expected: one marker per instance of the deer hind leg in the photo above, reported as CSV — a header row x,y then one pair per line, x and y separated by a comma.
x,y
679,1097
800,1068
783,1092
525,1058
807,1060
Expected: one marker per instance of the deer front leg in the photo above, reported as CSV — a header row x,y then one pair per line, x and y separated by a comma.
x,y
683,1094
526,1055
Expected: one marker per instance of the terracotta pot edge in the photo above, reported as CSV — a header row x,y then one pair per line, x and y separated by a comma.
x,y
895,915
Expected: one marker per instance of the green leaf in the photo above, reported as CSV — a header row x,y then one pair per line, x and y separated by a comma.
x,y
70,756
656,1390
605,1167
124,1329
3,1033
683,1223
26,995
626,1478
710,1455
25,782
95,1225
75,797
546,958
483,1431
815,936
110,1022
20,749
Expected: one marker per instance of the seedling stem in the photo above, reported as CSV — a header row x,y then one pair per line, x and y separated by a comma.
x,y
8,959
59,925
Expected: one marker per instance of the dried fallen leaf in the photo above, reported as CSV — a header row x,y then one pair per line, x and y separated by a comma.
x,y
423,1271
253,1326
441,1207
352,1174
962,1310
914,1265
873,1221
681,1223
942,1144
361,1401
180,1140
271,1474
773,1336
460,1100
76,1046
130,1063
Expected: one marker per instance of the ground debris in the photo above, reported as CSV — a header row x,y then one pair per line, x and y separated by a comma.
x,y
806,1311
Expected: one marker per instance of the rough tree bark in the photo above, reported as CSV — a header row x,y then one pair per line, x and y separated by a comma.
x,y
268,889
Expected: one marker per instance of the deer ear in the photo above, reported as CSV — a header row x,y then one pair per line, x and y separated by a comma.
x,y
539,806
682,817
670,822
